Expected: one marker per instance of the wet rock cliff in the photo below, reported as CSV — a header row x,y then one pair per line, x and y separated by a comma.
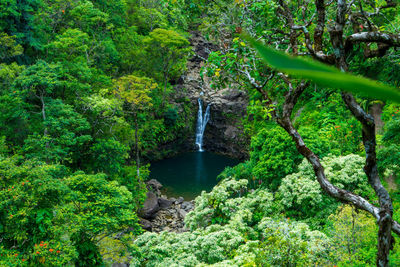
x,y
224,132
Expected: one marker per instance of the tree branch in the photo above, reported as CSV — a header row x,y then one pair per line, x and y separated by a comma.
x,y
371,37
319,30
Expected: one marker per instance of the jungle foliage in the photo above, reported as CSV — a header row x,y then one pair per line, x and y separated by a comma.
x,y
87,99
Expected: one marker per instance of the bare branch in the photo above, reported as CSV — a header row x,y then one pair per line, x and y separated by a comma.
x,y
377,37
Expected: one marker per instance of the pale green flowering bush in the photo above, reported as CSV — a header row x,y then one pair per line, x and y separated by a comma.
x,y
300,194
211,245
347,172
291,243
227,199
300,191
283,243
245,237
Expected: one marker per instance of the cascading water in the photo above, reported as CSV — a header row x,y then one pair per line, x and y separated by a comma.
x,y
202,120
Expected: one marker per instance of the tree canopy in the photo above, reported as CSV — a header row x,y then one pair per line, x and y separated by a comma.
x,y
92,92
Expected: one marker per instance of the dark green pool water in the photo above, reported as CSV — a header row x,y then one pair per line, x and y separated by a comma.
x,y
190,173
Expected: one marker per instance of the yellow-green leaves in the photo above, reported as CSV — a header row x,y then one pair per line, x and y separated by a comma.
x,y
325,75
9,46
135,90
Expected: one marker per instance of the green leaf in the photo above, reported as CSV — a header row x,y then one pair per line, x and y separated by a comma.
x,y
324,75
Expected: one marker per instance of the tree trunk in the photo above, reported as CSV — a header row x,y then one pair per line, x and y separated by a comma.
x,y
43,113
165,89
137,147
44,120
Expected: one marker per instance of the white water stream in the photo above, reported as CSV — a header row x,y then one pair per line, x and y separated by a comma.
x,y
202,120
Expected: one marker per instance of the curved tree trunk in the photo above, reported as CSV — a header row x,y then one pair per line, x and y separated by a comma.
x,y
137,146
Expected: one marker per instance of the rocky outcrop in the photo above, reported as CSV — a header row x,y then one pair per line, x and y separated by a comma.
x,y
165,203
154,186
150,206
161,213
224,132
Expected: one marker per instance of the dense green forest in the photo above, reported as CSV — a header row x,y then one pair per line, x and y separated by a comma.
x,y
89,99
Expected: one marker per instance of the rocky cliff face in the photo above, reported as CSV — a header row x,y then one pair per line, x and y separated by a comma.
x,y
224,131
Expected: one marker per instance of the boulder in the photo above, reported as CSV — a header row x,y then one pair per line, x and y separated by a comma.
x,y
187,206
164,203
233,95
150,206
154,186
146,225
179,201
182,213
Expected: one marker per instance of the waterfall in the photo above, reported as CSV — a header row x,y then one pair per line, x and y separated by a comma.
x,y
202,120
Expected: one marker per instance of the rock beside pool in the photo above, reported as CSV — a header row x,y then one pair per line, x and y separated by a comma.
x,y
146,225
187,206
182,213
165,203
150,207
161,213
179,201
154,186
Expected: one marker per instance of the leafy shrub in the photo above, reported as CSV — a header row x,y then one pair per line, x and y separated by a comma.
x,y
108,156
170,116
29,196
301,195
241,171
353,233
318,142
227,201
273,156
208,246
97,208
290,244
389,154
326,124
284,243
